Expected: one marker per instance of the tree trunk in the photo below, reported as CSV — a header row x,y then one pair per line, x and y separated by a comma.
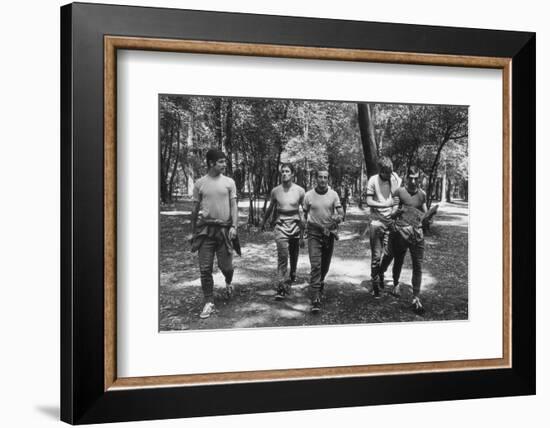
x,y
449,193
164,191
368,140
229,136
433,170
361,178
218,122
277,165
176,162
190,136
250,199
444,184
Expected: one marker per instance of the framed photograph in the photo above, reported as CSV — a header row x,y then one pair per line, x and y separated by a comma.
x,y
272,213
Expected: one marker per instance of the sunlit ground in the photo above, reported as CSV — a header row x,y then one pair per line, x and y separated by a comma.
x,y
348,298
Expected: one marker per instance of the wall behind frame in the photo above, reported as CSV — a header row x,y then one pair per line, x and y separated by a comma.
x,y
29,219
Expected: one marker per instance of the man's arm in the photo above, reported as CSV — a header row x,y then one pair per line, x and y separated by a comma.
x,y
376,204
340,212
197,198
305,207
396,209
195,215
424,207
302,213
234,217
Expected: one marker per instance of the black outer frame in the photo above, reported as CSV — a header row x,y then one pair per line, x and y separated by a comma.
x,y
83,399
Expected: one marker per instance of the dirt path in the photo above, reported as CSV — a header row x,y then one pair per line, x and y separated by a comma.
x,y
347,296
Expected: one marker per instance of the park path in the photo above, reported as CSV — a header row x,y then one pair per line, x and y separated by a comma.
x,y
347,298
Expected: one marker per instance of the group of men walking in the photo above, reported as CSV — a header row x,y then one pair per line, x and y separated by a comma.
x,y
314,216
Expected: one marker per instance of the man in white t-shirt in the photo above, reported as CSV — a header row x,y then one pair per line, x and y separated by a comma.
x,y
381,188
324,213
214,224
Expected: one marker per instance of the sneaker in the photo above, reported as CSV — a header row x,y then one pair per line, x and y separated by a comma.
x,y
375,289
417,306
316,306
207,310
292,278
229,290
395,291
280,295
281,292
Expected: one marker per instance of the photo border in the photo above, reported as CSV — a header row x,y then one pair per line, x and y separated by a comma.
x,y
91,391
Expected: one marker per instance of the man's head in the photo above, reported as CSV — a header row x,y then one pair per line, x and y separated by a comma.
x,y
287,172
322,178
413,178
385,168
215,159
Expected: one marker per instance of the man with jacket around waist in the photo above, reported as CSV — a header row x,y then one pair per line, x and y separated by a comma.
x,y
286,198
214,224
407,234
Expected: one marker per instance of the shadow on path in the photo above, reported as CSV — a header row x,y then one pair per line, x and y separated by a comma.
x,y
347,298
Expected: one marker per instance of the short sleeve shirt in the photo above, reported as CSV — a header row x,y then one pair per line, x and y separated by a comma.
x,y
381,191
214,195
408,200
320,207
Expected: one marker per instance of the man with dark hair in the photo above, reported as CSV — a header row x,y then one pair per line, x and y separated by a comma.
x,y
380,190
214,224
287,198
408,234
324,213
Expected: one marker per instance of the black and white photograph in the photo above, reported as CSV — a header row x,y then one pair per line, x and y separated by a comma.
x,y
288,212
190,237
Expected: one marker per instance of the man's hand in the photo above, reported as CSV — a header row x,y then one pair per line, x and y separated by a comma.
x,y
232,232
397,213
388,202
336,219
190,238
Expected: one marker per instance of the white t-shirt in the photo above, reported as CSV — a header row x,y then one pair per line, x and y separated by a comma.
x,y
214,195
320,208
381,191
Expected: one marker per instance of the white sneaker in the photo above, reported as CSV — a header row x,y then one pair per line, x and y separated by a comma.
x,y
417,306
207,310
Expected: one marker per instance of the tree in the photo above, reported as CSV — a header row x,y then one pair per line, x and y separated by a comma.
x,y
368,139
347,138
448,123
